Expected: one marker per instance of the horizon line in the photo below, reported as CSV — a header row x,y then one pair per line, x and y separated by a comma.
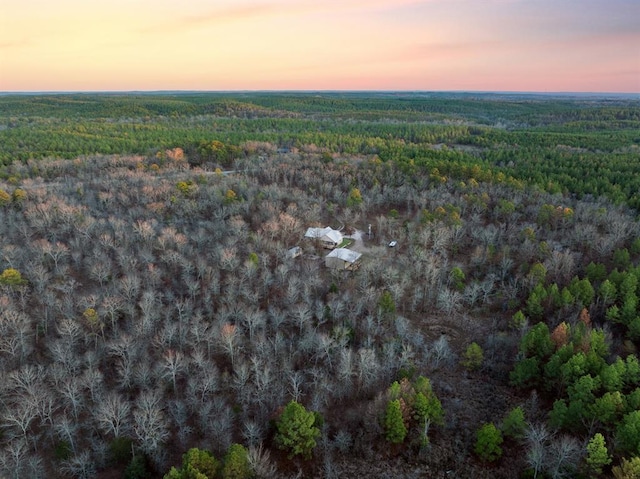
x,y
408,91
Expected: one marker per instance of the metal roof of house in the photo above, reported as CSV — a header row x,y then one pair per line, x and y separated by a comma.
x,y
333,235
345,254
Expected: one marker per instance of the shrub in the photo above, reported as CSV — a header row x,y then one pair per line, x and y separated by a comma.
x,y
120,450
488,440
597,453
473,357
514,423
137,468
236,463
11,277
297,431
394,428
5,198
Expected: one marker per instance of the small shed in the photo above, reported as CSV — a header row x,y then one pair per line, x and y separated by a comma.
x,y
294,252
328,237
343,258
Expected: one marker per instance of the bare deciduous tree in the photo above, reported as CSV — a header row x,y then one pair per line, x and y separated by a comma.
x,y
537,437
17,461
441,352
229,341
113,415
80,466
70,390
173,364
150,424
68,428
18,418
449,301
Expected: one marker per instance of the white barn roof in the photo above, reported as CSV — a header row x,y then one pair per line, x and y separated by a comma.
x,y
333,235
345,254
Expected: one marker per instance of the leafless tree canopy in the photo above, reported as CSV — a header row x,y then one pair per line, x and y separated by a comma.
x,y
202,328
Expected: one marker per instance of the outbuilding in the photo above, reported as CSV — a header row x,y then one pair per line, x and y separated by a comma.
x,y
328,237
294,252
343,258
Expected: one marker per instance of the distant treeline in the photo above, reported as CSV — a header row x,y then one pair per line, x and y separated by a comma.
x,y
578,145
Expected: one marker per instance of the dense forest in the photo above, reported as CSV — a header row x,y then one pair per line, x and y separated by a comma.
x,y
583,146
163,314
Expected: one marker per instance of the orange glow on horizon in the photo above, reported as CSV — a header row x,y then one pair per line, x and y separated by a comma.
x,y
504,45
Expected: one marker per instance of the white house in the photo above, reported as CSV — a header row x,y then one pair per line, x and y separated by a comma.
x,y
343,258
328,237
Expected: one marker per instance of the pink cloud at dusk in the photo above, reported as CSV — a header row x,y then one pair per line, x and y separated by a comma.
x,y
506,45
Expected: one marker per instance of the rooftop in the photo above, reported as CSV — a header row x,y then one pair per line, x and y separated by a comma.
x,y
345,254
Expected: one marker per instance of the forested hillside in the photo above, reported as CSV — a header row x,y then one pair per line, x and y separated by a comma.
x,y
154,321
578,145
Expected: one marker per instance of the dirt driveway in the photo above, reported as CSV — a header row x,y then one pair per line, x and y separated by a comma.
x,y
359,242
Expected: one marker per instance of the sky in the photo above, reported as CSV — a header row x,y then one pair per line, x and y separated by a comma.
x,y
429,45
